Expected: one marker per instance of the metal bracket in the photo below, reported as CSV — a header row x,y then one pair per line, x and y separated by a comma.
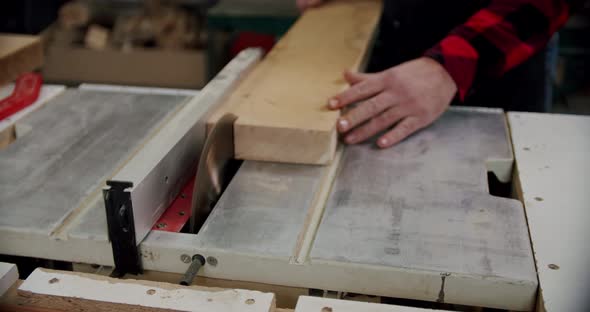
x,y
121,226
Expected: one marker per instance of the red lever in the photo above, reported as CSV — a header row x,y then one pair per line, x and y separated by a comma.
x,y
26,91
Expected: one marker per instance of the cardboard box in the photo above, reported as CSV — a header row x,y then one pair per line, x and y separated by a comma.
x,y
18,54
139,67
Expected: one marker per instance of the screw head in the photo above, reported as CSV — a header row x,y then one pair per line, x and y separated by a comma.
x,y
186,258
212,261
161,225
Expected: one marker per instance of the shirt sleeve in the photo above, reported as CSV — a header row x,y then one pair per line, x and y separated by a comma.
x,y
500,36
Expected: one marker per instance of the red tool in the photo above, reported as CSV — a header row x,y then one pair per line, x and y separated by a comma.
x,y
179,212
26,91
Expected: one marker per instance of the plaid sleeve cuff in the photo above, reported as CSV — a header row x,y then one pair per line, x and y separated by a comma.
x,y
460,59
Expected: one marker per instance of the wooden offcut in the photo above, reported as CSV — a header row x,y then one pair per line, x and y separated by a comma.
x,y
97,37
18,54
74,14
8,276
281,105
68,291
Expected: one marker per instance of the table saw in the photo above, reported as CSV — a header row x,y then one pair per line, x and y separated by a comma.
x,y
93,170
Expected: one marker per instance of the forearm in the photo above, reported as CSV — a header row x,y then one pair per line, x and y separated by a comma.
x,y
497,38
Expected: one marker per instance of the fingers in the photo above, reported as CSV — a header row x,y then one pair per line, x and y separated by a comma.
x,y
376,125
364,111
353,78
362,90
401,131
305,4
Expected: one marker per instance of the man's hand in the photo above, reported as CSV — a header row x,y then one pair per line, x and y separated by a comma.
x,y
410,96
306,4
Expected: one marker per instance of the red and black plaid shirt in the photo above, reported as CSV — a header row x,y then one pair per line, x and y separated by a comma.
x,y
497,38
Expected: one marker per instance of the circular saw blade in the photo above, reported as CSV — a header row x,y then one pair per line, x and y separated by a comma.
x,y
216,167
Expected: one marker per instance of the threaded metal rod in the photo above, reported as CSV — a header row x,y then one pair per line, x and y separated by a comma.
x,y
196,264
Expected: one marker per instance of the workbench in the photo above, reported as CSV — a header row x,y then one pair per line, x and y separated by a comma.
x,y
416,221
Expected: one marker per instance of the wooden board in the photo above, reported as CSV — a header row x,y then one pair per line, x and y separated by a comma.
x,y
318,304
87,292
554,173
8,276
18,54
281,105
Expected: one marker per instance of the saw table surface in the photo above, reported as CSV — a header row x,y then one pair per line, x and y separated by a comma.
x,y
415,221
64,153
424,204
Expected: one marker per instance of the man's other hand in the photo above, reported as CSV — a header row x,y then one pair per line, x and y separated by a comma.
x,y
403,99
306,4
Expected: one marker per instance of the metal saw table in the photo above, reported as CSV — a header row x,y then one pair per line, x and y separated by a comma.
x,y
415,221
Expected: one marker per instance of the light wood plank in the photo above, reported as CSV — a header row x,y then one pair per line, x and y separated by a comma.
x,y
67,290
8,276
281,105
18,54
553,170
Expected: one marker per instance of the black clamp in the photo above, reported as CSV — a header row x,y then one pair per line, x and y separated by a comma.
x,y
121,226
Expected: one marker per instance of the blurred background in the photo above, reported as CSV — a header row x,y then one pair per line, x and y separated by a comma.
x,y
131,42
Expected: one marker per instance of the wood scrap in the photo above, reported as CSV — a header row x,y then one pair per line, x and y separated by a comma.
x,y
78,291
74,14
8,276
97,37
7,136
164,26
281,105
